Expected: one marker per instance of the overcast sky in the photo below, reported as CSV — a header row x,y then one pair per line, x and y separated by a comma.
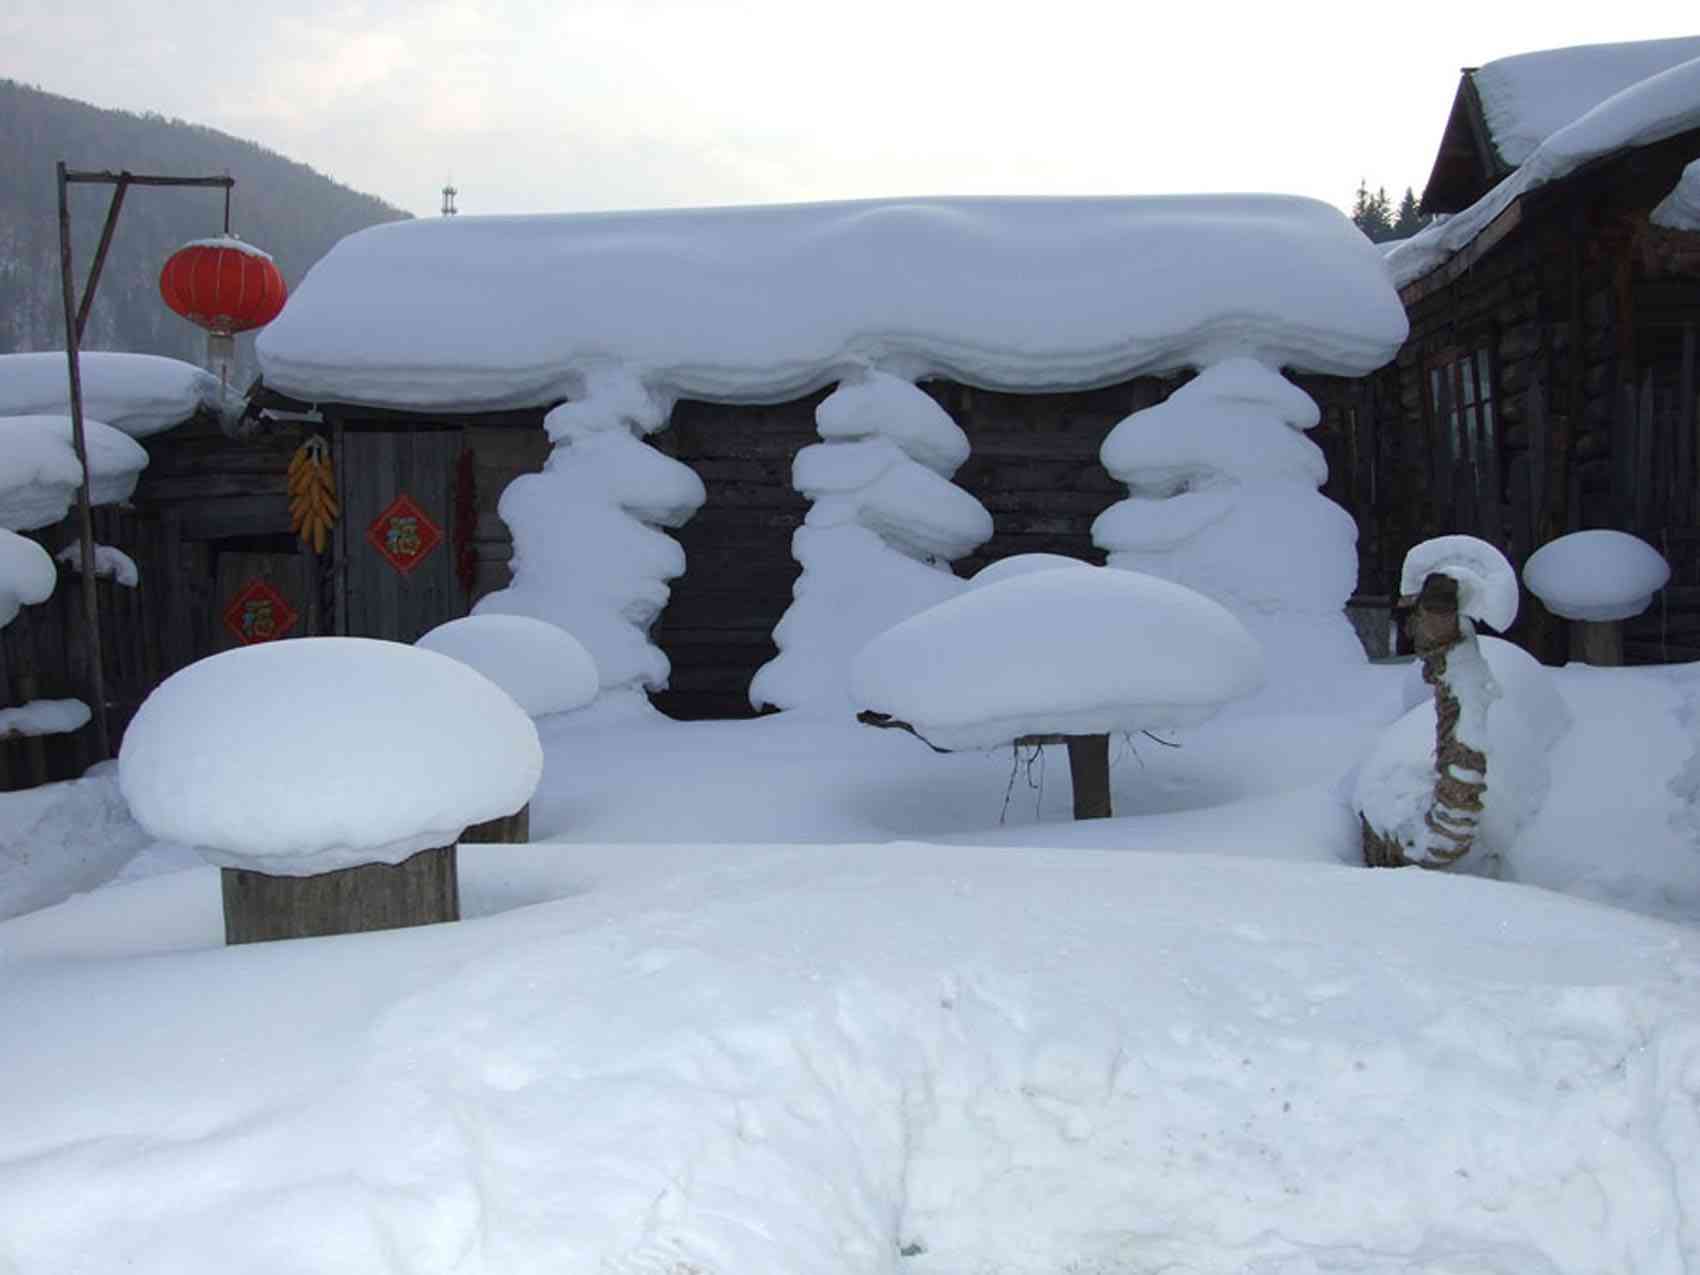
x,y
588,104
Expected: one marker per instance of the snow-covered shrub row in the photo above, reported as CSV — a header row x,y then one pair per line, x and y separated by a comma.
x,y
589,552
883,526
1224,500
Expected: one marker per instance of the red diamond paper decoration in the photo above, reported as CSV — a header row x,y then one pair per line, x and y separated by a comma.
x,y
403,534
258,613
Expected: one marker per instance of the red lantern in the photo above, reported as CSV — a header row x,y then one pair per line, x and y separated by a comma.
x,y
224,285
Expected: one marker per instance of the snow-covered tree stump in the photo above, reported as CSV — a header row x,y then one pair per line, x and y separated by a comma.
x,y
421,890
370,760
1596,580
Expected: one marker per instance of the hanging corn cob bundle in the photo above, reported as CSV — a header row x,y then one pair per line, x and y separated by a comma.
x,y
313,507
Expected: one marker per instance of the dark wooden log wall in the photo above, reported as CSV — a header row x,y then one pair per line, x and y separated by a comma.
x,y
1592,350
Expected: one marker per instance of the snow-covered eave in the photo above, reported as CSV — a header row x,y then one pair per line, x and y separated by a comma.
x,y
1490,220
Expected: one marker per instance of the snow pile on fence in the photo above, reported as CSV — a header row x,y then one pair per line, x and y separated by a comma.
x,y
590,555
883,527
27,574
1224,500
1646,112
768,303
40,473
140,394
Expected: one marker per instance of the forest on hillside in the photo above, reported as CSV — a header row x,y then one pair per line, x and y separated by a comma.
x,y
290,210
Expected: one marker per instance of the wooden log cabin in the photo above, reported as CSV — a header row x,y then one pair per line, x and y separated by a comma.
x,y
209,524
1549,381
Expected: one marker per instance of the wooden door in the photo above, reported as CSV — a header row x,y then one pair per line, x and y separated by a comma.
x,y
397,532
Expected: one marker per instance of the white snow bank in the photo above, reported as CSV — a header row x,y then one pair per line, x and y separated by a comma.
x,y
542,666
1596,575
44,717
109,563
1646,112
813,1060
1487,583
27,575
372,751
1530,96
768,303
140,394
39,471
1075,651
57,839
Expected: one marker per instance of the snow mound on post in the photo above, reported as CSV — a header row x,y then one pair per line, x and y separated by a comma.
x,y
305,756
140,394
1487,584
1021,564
1596,575
545,668
40,473
764,304
27,574
1075,651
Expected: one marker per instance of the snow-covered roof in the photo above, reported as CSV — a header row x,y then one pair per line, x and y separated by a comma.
x,y
1528,97
362,752
40,473
1078,650
140,394
766,303
1648,110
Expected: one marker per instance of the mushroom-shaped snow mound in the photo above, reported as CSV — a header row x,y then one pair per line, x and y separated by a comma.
x,y
1596,575
310,755
1021,564
545,668
27,574
1487,583
1075,651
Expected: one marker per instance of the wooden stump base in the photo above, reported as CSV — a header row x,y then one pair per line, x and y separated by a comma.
x,y
1597,642
423,890
514,829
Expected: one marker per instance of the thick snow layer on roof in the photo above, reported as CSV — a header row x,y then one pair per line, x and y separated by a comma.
x,y
27,575
304,756
1646,112
1487,583
1075,651
545,668
39,472
1529,97
765,303
1596,575
140,394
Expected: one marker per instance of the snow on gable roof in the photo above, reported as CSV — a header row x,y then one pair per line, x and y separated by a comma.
x,y
140,394
1648,111
1529,97
765,303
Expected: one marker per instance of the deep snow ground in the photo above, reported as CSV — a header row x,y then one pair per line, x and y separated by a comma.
x,y
662,1045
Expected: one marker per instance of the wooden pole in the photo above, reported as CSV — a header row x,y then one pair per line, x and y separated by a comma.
x,y
1089,771
85,518
118,189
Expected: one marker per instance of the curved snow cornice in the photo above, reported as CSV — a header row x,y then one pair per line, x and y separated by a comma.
x,y
766,303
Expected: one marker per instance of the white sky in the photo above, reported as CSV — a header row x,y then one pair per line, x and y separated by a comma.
x,y
533,106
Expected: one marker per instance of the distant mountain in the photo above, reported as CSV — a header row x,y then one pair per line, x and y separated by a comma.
x,y
286,208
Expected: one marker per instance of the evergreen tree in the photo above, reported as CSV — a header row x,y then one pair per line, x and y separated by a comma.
x,y
1371,213
1409,220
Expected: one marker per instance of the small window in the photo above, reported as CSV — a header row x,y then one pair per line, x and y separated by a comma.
x,y
1460,400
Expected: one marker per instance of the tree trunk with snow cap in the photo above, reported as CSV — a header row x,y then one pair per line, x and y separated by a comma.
x,y
1445,641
